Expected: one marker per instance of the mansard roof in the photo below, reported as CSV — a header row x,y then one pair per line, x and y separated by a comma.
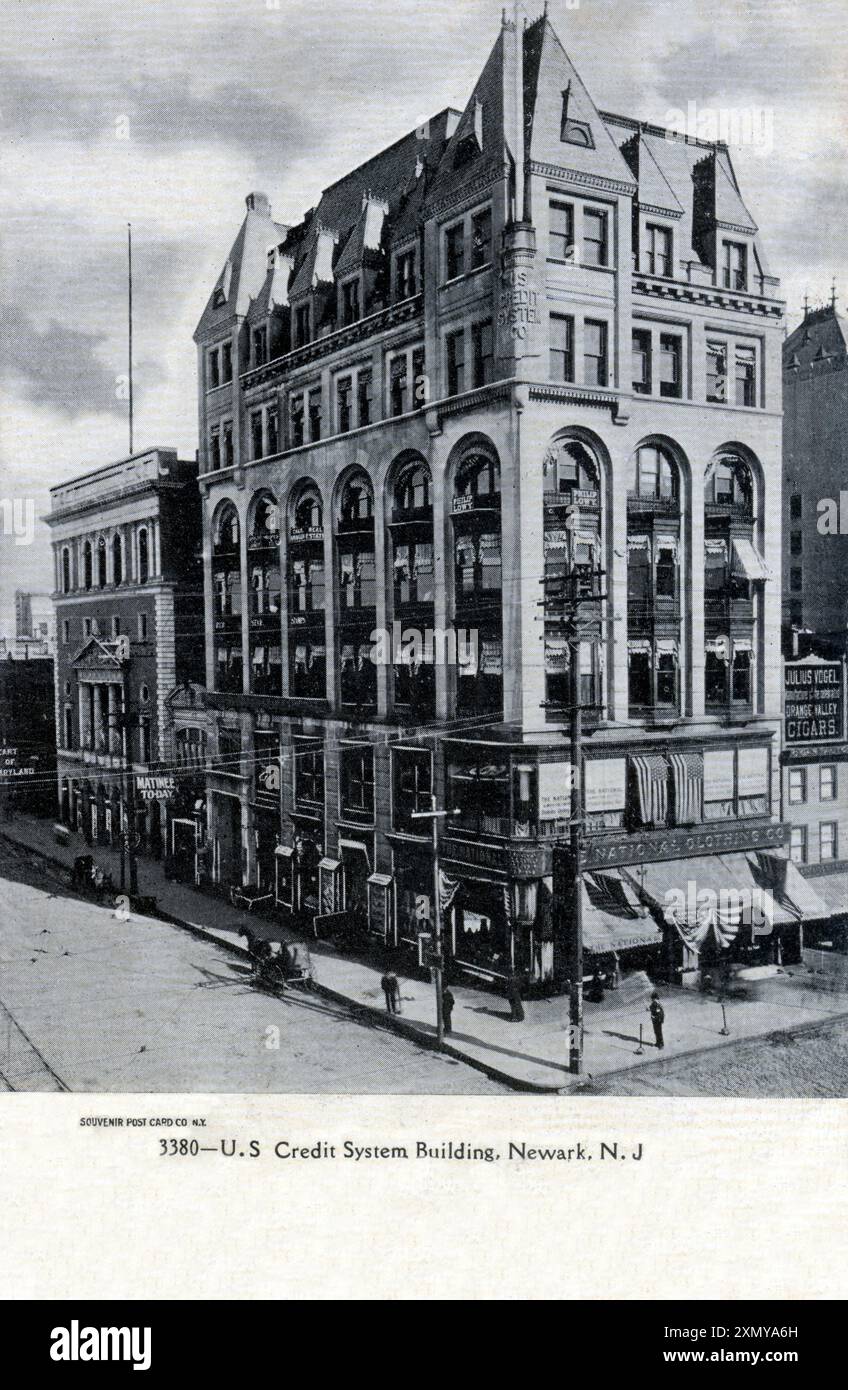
x,y
430,168
566,128
822,333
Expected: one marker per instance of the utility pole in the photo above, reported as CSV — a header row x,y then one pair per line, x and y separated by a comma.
x,y
575,964
128,830
563,590
435,817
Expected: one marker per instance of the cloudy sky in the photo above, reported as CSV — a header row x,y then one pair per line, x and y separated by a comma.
x,y
167,113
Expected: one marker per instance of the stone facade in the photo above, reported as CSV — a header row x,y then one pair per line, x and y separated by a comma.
x,y
531,345
126,542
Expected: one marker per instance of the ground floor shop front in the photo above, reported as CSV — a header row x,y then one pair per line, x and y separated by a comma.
x,y
168,813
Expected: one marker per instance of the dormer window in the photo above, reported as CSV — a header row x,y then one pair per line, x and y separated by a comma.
x,y
481,239
351,309
260,345
455,251
658,250
735,267
405,284
302,325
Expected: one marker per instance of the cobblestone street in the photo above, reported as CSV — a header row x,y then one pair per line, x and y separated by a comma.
x,y
89,1003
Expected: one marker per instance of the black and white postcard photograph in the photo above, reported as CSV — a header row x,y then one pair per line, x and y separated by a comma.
x,y
424,621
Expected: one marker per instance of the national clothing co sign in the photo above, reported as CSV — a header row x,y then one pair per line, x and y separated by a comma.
x,y
814,701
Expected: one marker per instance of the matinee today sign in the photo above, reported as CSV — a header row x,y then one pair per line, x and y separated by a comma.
x,y
814,701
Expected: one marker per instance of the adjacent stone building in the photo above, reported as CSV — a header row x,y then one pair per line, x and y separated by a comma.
x,y
126,542
530,348
815,470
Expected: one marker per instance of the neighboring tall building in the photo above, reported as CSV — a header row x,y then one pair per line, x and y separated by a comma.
x,y
529,344
815,478
27,732
128,597
34,629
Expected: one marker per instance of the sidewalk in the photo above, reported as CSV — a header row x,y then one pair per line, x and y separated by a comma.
x,y
532,1055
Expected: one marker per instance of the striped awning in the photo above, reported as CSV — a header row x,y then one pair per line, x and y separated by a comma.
x,y
748,562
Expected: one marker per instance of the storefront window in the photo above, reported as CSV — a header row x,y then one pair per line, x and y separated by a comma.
x,y
480,791
480,934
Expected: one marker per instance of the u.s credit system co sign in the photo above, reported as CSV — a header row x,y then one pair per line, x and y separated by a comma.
x,y
814,701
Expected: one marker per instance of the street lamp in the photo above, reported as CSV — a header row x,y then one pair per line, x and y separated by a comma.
x,y
435,817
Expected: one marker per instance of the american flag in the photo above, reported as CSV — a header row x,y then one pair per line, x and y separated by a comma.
x,y
652,781
688,770
609,894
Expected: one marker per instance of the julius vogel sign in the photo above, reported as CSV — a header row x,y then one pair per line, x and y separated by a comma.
x,y
814,701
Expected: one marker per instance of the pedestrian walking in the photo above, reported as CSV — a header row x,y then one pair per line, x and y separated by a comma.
x,y
657,1012
448,1002
391,989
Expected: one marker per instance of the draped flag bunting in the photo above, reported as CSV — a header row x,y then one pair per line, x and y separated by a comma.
x,y
448,889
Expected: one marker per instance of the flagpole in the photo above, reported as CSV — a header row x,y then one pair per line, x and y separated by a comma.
x,y
130,324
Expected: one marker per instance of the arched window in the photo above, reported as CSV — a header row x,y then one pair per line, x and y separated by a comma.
x,y
412,490
572,511
478,583
357,580
226,534
308,513
357,502
728,483
101,563
569,468
654,582
478,478
265,530
117,558
143,557
86,566
307,655
733,567
654,474
66,570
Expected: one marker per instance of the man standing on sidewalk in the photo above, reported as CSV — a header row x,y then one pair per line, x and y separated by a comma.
x,y
448,1002
657,1012
390,985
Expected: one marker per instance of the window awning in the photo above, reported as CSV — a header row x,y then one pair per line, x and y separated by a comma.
x,y
612,917
748,562
715,895
833,891
794,896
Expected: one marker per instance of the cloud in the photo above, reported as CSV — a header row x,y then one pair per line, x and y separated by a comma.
x,y
52,362
224,96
